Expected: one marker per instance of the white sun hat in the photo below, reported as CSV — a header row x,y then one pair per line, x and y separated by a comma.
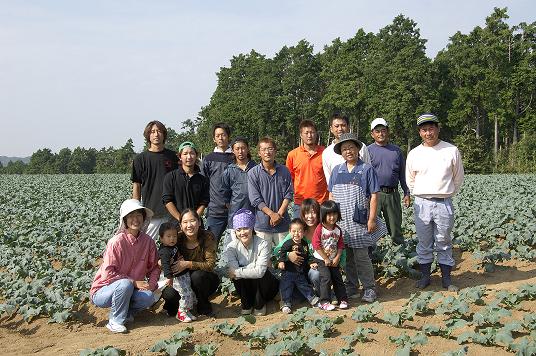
x,y
129,206
378,121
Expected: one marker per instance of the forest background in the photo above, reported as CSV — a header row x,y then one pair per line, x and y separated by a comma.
x,y
482,87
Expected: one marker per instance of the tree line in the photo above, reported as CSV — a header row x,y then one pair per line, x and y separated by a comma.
x,y
482,86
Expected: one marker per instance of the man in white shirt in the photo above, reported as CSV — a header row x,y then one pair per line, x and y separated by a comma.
x,y
434,173
339,125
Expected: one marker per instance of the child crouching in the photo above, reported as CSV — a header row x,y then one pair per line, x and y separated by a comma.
x,y
169,254
294,275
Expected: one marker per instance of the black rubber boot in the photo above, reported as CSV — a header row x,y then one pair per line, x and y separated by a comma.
x,y
446,281
425,275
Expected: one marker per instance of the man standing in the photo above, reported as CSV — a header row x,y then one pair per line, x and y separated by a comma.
x,y
339,125
434,173
148,171
270,192
305,166
214,165
389,164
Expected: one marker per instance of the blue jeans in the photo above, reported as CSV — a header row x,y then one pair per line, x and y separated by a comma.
x,y
217,225
122,299
289,280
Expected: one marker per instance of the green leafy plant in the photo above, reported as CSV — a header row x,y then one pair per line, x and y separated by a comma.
x,y
230,329
103,351
175,343
360,334
205,349
367,312
406,344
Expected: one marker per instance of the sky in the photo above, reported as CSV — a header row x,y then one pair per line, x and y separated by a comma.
x,y
93,73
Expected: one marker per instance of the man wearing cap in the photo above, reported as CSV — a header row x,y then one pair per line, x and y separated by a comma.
x,y
339,125
148,171
388,162
305,166
434,173
214,165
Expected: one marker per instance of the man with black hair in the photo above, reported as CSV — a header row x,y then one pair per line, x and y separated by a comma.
x,y
213,166
148,171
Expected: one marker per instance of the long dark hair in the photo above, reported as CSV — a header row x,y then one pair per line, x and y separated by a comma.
x,y
202,234
308,205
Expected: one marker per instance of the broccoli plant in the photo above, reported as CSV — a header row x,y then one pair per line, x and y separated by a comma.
x,y
367,312
230,329
406,344
172,345
103,351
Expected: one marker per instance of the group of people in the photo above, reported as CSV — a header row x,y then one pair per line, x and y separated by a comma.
x,y
345,198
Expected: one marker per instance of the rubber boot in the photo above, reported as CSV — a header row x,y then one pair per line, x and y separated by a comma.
x,y
445,278
425,275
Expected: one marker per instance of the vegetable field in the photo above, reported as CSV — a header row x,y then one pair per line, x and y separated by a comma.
x,y
53,228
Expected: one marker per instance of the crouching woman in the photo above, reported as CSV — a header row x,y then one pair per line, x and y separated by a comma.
x,y
247,259
129,271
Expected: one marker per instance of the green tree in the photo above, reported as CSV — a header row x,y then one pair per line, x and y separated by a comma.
x,y
62,160
399,79
82,160
343,77
42,161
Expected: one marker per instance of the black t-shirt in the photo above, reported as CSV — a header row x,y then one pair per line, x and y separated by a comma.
x,y
149,169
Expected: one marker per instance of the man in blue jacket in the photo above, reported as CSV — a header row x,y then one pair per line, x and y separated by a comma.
x,y
213,166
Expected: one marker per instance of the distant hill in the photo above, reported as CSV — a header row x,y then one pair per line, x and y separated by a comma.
x,y
5,160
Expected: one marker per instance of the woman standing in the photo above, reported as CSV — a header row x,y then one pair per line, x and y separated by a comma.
x,y
186,187
198,248
248,257
129,271
354,185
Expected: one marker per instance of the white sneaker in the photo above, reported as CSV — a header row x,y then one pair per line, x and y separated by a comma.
x,y
115,327
260,312
315,301
286,310
369,296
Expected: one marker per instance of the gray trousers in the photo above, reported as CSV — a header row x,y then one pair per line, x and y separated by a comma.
x,y
358,268
434,219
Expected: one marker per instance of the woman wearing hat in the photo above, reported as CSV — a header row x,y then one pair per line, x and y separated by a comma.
x,y
354,185
129,271
185,187
248,257
198,248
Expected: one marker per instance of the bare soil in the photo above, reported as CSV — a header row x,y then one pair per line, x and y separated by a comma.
x,y
88,330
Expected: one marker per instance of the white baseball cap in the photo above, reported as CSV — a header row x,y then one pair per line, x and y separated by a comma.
x,y
378,121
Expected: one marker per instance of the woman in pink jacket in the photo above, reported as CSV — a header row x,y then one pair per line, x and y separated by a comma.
x,y
129,271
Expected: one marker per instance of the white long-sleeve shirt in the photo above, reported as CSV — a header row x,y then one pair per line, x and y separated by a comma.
x,y
434,172
330,159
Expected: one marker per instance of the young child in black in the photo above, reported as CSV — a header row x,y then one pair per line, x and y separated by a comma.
x,y
294,275
169,254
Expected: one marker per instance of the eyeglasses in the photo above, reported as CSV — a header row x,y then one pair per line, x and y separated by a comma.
x,y
267,149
